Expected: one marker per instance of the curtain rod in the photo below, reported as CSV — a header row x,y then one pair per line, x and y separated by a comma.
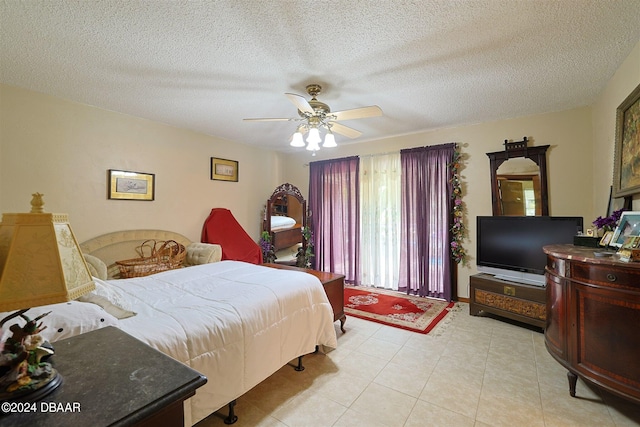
x,y
398,151
365,155
381,154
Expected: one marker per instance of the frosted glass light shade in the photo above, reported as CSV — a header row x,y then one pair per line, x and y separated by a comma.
x,y
40,261
314,137
329,141
297,140
313,146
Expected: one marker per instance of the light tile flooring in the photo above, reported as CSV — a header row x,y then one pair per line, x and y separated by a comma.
x,y
469,371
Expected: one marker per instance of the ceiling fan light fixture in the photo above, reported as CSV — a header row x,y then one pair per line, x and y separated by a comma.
x,y
315,115
329,140
297,140
314,136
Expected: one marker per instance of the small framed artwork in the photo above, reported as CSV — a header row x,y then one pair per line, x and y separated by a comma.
x,y
606,239
628,226
224,170
626,179
126,185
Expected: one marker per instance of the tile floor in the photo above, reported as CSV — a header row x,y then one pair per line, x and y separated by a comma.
x,y
469,371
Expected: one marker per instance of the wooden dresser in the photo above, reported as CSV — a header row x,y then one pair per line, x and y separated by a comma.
x,y
593,314
333,285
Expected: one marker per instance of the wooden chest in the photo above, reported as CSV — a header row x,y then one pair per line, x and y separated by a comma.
x,y
516,301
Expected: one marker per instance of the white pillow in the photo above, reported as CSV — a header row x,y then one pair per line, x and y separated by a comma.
x,y
280,222
97,267
66,320
109,298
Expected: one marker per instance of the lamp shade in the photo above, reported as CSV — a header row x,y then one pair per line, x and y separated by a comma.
x,y
329,140
297,140
40,261
314,136
313,146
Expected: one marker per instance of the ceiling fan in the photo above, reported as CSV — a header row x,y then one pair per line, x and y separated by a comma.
x,y
315,115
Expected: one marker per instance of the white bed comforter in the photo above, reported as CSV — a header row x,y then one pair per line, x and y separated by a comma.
x,y
234,322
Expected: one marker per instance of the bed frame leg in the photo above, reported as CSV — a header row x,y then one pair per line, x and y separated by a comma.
x,y
299,367
232,417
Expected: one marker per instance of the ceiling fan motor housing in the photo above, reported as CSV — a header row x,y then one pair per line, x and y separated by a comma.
x,y
321,109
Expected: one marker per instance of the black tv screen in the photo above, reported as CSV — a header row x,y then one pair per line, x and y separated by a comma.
x,y
515,242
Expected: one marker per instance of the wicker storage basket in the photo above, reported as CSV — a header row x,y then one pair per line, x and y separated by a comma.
x,y
162,256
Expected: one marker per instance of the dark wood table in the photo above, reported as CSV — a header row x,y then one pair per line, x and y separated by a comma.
x,y
333,285
111,379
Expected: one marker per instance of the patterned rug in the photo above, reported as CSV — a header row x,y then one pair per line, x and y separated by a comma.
x,y
397,309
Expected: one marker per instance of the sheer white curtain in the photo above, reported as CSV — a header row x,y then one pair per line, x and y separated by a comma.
x,y
380,216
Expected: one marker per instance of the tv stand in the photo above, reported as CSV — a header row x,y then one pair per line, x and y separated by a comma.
x,y
516,301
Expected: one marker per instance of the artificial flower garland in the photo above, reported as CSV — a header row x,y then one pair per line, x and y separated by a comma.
x,y
458,229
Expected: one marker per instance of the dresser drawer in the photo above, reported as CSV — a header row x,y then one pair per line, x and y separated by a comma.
x,y
606,275
556,266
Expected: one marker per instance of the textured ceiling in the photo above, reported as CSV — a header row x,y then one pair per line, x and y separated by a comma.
x,y
206,65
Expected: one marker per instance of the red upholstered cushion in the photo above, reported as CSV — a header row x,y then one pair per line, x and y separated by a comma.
x,y
222,228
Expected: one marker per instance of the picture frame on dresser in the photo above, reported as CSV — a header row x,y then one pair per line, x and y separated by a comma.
x,y
606,238
617,203
629,225
627,146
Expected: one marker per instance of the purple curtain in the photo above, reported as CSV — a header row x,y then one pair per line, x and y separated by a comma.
x,y
425,260
334,203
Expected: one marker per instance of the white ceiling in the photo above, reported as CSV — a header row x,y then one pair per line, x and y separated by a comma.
x,y
206,65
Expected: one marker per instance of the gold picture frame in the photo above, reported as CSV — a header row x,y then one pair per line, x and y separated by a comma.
x,y
224,170
606,239
127,185
626,179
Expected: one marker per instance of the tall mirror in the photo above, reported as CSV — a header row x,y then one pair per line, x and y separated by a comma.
x,y
519,180
284,221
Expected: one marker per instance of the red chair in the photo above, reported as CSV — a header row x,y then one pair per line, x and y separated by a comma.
x,y
223,229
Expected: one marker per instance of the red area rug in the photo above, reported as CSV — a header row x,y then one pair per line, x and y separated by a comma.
x,y
417,314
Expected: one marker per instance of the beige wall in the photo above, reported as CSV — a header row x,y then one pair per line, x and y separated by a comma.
x,y
64,149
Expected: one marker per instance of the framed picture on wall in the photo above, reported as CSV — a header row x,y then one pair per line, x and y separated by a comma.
x,y
626,169
224,170
127,185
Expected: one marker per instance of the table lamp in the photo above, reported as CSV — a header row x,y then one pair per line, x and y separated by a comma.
x,y
40,264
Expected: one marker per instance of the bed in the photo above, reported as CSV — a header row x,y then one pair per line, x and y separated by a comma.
x,y
235,322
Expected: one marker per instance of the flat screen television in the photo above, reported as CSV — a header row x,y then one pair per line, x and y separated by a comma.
x,y
510,247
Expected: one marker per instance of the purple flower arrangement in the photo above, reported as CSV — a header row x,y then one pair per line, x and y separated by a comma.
x,y
608,223
268,253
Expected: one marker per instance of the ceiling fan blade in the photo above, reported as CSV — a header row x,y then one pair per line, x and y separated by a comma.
x,y
344,130
270,120
357,113
300,102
